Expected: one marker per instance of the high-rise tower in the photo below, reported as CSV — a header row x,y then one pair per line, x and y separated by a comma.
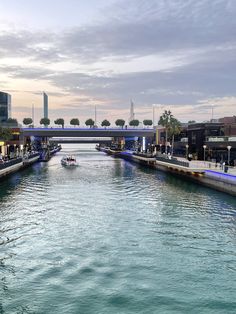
x,y
131,115
5,106
45,105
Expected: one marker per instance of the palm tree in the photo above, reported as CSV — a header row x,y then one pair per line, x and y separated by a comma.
x,y
164,120
105,123
74,121
175,129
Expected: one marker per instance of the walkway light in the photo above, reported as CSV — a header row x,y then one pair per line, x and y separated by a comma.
x,y
204,147
229,148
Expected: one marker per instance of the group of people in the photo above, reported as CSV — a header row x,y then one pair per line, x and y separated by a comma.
x,y
3,158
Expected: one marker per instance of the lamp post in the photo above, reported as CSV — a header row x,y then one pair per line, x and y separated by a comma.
x,y
187,146
204,147
229,148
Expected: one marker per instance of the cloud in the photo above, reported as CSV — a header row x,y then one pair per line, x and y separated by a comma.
x,y
178,53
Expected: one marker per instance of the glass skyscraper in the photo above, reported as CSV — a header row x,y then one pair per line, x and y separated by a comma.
x,y
5,107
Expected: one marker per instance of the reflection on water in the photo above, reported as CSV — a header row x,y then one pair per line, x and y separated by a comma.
x,y
112,237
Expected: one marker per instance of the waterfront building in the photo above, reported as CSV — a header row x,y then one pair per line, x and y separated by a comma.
x,y
213,140
5,107
45,105
197,134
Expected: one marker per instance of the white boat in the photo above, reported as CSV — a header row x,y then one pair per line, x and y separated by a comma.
x,y
69,161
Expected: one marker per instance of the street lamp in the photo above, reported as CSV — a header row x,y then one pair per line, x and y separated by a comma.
x,y
187,146
204,147
229,148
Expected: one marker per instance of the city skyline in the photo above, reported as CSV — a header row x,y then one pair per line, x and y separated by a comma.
x,y
178,54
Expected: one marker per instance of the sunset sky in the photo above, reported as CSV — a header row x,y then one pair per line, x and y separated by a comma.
x,y
178,54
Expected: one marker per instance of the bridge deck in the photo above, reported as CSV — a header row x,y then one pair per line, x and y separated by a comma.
x,y
86,132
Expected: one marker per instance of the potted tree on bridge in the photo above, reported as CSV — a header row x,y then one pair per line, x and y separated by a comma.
x,y
74,122
147,122
105,123
90,122
120,122
134,123
45,121
60,121
27,121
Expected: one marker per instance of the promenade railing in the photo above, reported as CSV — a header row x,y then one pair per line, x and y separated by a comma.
x,y
173,161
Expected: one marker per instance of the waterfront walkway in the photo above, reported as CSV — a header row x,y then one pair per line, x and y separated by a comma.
x,y
208,165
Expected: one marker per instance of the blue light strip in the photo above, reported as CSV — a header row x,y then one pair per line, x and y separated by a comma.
x,y
231,176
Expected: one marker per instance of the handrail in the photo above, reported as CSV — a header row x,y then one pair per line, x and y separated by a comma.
x,y
173,161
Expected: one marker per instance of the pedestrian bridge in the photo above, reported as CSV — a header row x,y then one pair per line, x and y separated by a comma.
x,y
87,132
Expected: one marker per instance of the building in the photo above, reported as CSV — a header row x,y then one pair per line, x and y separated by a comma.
x,y
45,105
229,125
5,107
213,141
131,115
197,134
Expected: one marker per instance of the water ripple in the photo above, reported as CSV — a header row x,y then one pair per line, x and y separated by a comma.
x,y
112,237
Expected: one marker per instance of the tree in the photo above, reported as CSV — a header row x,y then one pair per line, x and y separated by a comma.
x,y
147,122
191,121
89,122
27,121
74,121
45,121
60,121
120,122
5,134
134,123
12,122
165,119
105,123
175,129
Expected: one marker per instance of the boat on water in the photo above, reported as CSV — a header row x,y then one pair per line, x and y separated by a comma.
x,y
69,161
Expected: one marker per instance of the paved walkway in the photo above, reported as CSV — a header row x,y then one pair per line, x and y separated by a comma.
x,y
208,165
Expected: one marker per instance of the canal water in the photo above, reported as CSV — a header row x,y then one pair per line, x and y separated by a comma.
x,y
112,237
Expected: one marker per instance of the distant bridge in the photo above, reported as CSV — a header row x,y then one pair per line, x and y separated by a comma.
x,y
85,132
71,140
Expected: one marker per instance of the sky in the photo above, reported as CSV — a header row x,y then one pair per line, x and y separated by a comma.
x,y
177,55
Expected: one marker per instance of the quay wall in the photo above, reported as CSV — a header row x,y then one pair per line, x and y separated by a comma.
x,y
24,163
219,181
11,169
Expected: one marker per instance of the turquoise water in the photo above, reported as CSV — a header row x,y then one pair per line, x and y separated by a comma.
x,y
111,237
